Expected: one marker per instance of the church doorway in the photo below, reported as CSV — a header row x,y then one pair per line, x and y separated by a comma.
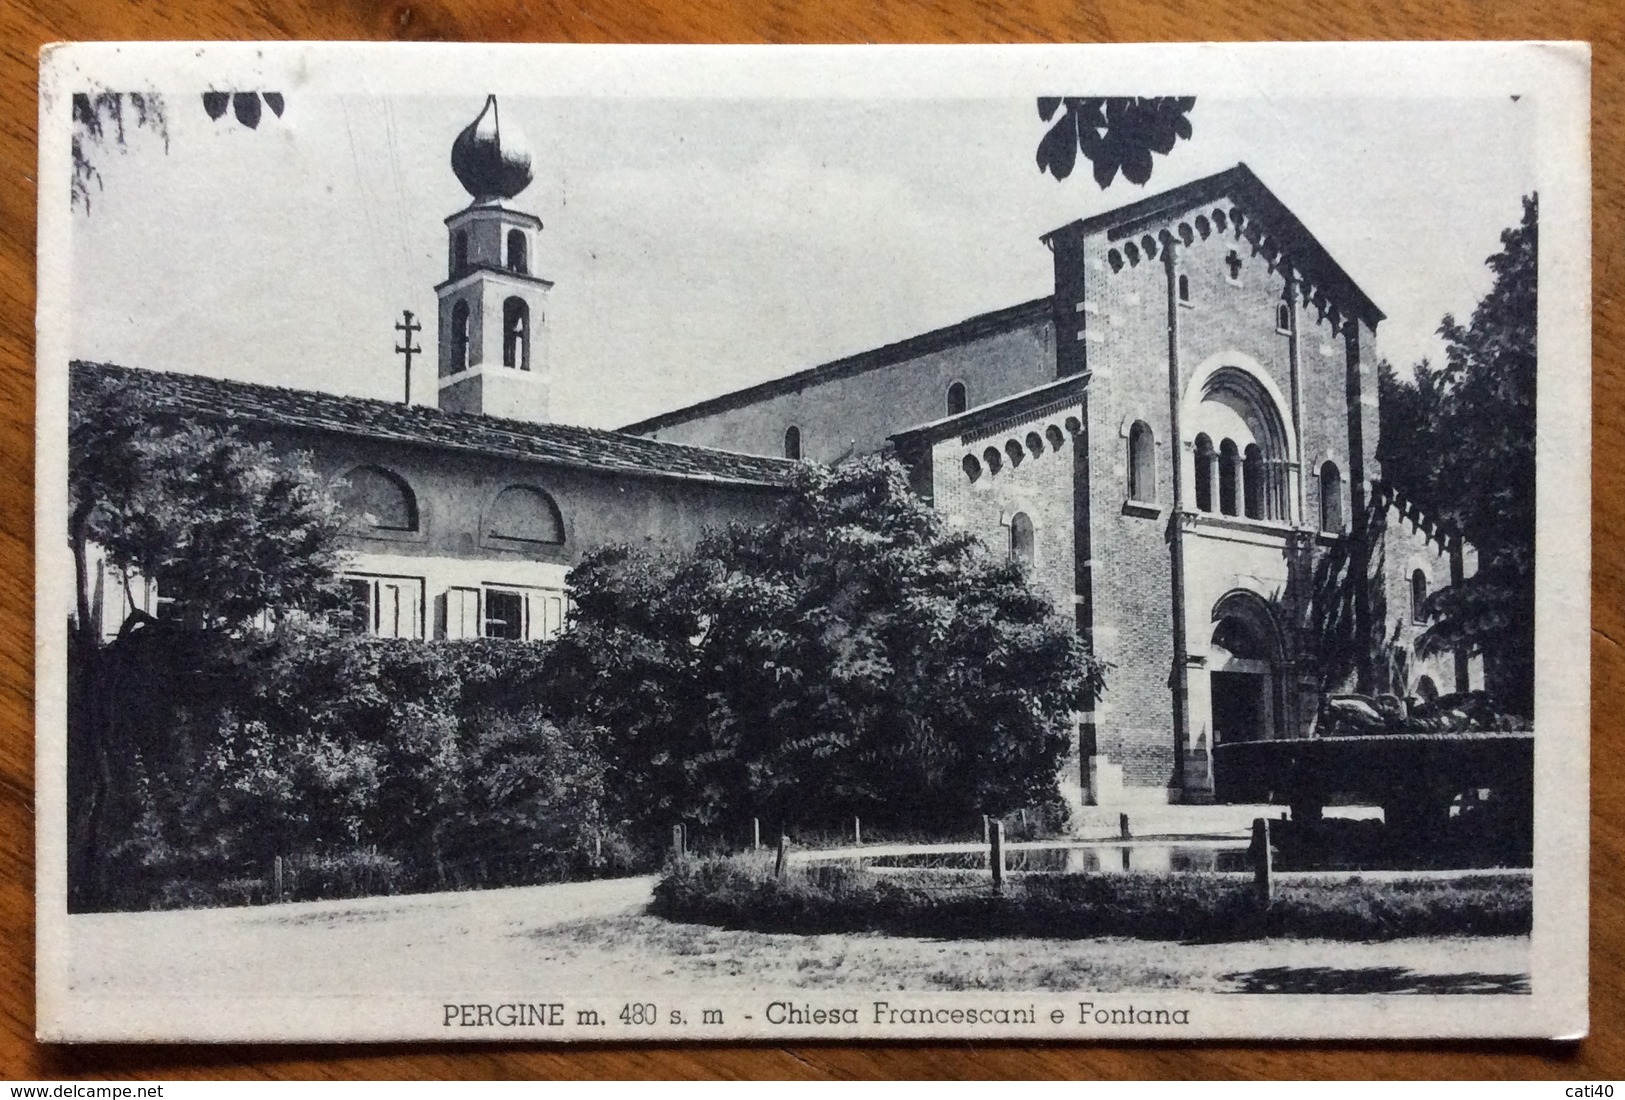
x,y
1242,669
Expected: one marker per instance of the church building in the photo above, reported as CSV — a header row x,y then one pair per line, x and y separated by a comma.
x,y
1174,442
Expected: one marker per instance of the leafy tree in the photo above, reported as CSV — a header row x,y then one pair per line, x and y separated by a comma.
x,y
228,528
1408,448
1112,132
1461,442
858,655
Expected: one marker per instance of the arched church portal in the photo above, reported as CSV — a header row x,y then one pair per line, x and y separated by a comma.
x,y
1245,670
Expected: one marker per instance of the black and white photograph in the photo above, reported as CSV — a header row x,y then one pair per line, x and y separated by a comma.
x,y
623,544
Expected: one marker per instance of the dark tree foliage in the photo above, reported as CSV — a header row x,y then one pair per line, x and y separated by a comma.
x,y
1460,440
1113,134
431,765
100,117
228,528
857,656
1347,650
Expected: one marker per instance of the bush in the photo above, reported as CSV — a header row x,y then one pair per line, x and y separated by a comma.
x,y
372,766
857,655
358,873
817,898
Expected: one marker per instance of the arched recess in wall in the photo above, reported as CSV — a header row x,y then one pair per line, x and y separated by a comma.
x,y
376,500
1419,595
459,336
524,515
518,252
957,398
1205,482
1142,463
1021,538
1235,403
516,333
1331,497
1245,669
792,442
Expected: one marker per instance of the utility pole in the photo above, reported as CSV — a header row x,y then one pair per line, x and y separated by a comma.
x,y
407,327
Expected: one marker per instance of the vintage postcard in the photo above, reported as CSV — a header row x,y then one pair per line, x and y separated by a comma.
x,y
657,543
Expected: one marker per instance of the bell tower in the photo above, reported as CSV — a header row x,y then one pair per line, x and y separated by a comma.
x,y
493,331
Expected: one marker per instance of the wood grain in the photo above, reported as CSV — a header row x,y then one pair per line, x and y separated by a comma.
x,y
26,24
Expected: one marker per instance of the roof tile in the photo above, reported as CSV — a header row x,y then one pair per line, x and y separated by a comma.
x,y
222,400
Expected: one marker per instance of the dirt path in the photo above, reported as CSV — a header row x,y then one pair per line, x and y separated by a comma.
x,y
577,936
422,942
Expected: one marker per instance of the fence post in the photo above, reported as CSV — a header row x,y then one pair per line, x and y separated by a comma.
x,y
276,874
1263,863
1122,827
857,831
756,834
986,830
784,853
677,841
995,854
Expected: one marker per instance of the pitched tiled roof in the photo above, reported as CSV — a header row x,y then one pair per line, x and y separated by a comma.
x,y
220,400
981,326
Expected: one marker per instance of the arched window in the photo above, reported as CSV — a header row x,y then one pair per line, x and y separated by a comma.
x,y
1236,406
792,442
518,258
1283,317
376,500
1142,463
956,398
1021,538
1331,497
516,333
459,336
459,252
1204,473
1419,596
1252,481
1185,289
1229,474
526,514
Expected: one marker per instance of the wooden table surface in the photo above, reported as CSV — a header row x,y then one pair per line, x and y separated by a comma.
x,y
26,24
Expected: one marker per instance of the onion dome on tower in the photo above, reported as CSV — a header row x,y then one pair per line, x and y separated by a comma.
x,y
491,159
493,304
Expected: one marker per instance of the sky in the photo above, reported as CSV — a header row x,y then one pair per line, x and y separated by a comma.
x,y
698,246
